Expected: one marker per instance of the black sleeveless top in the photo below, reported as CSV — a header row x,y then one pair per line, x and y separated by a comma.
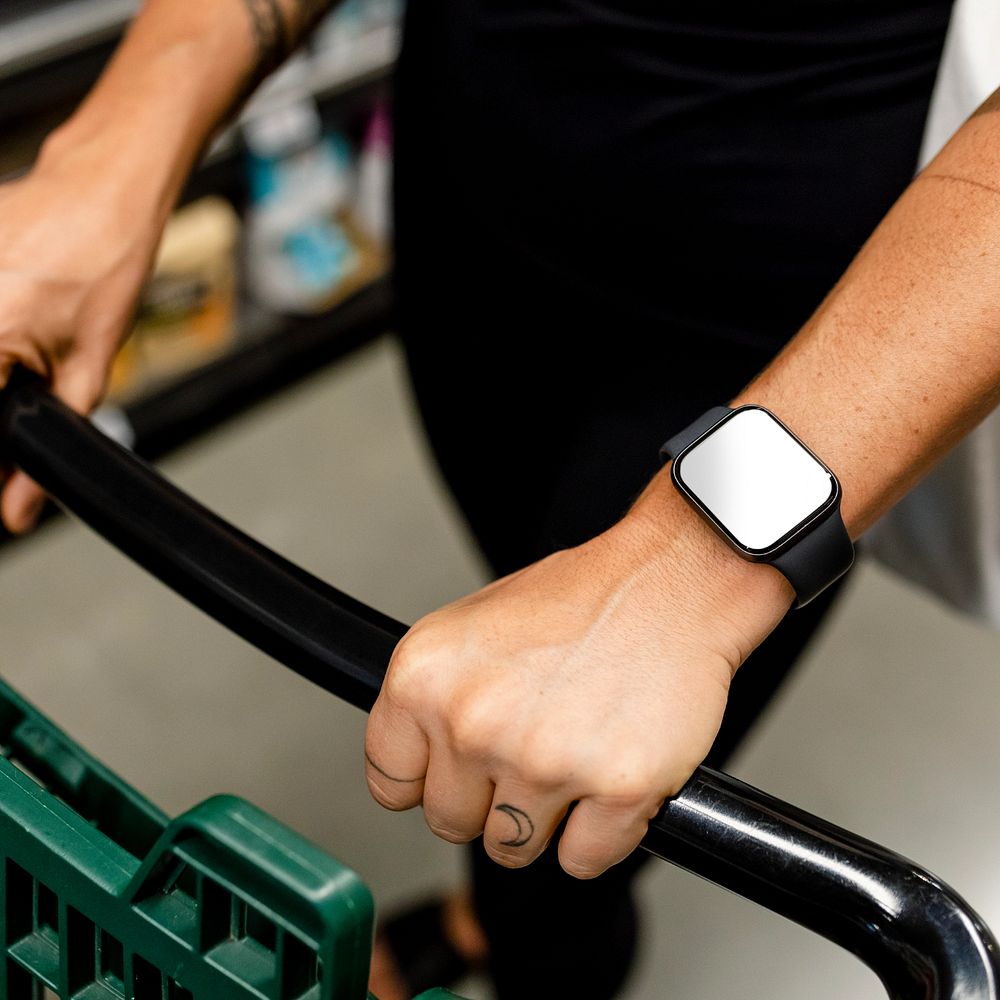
x,y
660,154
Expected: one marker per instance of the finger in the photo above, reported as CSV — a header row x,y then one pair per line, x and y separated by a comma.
x,y
520,824
80,385
601,832
456,798
22,500
21,503
396,755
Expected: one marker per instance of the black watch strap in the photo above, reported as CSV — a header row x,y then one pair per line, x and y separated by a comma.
x,y
816,559
692,432
823,555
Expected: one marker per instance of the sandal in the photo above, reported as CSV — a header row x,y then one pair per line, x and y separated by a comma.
x,y
423,954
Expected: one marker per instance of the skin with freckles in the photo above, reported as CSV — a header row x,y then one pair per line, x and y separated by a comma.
x,y
990,105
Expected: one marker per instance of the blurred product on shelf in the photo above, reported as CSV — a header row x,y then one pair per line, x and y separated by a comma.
x,y
297,252
340,30
304,250
375,177
187,311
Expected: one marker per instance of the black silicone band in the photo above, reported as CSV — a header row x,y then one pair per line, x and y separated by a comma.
x,y
819,557
692,432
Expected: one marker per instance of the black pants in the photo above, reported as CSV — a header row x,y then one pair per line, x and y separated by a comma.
x,y
610,215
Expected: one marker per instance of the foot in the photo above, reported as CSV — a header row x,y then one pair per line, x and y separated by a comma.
x,y
460,933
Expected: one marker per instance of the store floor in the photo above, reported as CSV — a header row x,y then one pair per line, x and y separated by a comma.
x,y
889,728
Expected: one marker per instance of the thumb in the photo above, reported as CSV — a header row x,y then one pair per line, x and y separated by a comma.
x,y
22,499
79,385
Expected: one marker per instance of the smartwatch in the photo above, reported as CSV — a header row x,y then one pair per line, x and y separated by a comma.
x,y
765,493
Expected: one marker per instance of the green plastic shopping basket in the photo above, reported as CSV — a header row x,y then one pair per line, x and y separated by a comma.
x,y
104,897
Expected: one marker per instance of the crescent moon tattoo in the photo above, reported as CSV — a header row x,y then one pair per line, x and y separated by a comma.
x,y
525,828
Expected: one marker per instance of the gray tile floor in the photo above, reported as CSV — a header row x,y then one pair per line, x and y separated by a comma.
x,y
889,727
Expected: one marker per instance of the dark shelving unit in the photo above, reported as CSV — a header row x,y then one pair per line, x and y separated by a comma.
x,y
42,81
294,348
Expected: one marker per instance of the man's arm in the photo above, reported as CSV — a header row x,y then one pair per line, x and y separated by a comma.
x,y
79,232
599,675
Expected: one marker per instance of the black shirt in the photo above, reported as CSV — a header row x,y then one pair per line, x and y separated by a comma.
x,y
712,166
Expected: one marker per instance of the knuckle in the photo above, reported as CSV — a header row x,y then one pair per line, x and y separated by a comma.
x,y
411,662
400,687
626,796
472,722
548,762
465,733
630,782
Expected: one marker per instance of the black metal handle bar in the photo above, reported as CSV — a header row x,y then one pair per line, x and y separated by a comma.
x,y
918,936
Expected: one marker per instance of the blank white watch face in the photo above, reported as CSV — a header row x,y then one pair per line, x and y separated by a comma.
x,y
756,479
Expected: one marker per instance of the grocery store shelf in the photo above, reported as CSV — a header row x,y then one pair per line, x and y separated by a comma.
x,y
329,76
292,348
63,70
51,51
33,34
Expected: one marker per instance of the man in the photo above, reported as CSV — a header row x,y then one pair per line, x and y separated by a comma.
x,y
610,217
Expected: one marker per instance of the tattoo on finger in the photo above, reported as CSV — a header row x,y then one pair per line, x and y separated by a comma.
x,y
525,827
391,777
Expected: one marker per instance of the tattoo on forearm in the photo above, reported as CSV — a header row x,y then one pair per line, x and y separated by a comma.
x,y
525,828
278,28
391,777
270,35
308,12
992,103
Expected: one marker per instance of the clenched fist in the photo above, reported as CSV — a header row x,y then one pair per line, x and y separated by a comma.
x,y
595,680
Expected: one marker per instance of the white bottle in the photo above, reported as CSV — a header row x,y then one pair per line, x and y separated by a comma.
x,y
297,253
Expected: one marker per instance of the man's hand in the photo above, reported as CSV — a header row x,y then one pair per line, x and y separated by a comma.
x,y
597,676
71,268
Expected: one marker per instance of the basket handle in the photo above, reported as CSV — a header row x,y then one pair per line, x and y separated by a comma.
x,y
918,936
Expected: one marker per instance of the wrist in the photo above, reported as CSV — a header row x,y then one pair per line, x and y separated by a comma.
x,y
143,126
109,175
667,530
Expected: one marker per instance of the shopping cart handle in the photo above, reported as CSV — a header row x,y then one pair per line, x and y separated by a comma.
x,y
918,936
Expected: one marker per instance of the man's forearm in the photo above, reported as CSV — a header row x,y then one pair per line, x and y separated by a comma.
x,y
179,73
